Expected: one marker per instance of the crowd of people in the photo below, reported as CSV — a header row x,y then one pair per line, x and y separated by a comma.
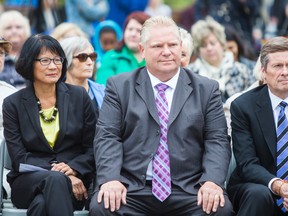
x,y
120,109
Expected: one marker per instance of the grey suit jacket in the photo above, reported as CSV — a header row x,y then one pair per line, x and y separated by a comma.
x,y
127,132
26,142
254,137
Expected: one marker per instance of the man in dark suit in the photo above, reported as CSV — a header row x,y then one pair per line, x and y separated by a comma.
x,y
152,164
259,139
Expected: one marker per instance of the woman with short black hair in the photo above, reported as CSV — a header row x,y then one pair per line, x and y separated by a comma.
x,y
49,125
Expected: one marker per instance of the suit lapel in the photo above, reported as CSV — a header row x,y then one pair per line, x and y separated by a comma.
x,y
62,103
266,120
145,90
181,94
30,104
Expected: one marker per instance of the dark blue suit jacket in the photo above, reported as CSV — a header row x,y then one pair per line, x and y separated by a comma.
x,y
254,138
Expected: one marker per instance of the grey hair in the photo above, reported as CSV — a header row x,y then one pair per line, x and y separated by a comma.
x,y
73,45
203,29
257,70
12,15
187,40
156,21
276,44
67,29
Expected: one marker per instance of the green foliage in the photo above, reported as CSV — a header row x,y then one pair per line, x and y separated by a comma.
x,y
177,5
61,2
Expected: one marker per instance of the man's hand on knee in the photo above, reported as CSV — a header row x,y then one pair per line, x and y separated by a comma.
x,y
210,195
113,193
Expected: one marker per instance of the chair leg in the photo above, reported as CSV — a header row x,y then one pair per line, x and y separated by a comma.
x,y
81,213
14,212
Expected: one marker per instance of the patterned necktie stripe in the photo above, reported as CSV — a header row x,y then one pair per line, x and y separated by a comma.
x,y
285,175
161,181
280,204
161,171
282,138
283,172
281,116
159,187
164,167
282,132
162,111
280,165
282,148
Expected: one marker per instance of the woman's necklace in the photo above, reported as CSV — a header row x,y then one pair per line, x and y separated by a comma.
x,y
41,112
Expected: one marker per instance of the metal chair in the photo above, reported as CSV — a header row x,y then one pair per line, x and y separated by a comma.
x,y
7,207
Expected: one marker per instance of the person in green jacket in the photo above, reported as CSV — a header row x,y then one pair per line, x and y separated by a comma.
x,y
126,56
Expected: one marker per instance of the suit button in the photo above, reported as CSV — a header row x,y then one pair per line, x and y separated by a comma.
x,y
143,176
157,132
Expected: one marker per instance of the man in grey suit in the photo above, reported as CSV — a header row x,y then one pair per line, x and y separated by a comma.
x,y
152,164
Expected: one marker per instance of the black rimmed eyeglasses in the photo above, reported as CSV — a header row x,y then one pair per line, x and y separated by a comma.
x,y
46,61
84,56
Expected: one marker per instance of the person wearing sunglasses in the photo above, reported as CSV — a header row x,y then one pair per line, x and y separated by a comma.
x,y
49,127
81,60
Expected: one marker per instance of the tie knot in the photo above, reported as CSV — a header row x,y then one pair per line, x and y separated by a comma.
x,y
283,104
161,87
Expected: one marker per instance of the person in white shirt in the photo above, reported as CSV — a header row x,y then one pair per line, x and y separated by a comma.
x,y
258,186
187,47
5,88
161,145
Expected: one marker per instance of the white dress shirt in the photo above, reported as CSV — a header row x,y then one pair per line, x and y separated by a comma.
x,y
169,96
5,90
275,101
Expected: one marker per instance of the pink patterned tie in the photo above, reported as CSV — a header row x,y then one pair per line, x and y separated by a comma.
x,y
161,181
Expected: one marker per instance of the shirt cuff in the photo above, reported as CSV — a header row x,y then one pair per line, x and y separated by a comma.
x,y
270,184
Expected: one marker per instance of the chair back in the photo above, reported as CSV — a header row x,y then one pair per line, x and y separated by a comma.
x,y
5,162
7,159
2,148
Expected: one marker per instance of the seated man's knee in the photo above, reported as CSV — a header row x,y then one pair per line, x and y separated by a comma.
x,y
226,210
259,194
95,208
254,199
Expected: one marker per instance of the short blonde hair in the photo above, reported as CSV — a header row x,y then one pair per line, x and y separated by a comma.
x,y
157,21
67,29
187,40
203,29
11,15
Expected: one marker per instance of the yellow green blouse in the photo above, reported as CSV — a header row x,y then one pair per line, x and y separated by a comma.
x,y
50,129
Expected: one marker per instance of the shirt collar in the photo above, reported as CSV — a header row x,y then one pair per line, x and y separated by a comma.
x,y
171,83
275,100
